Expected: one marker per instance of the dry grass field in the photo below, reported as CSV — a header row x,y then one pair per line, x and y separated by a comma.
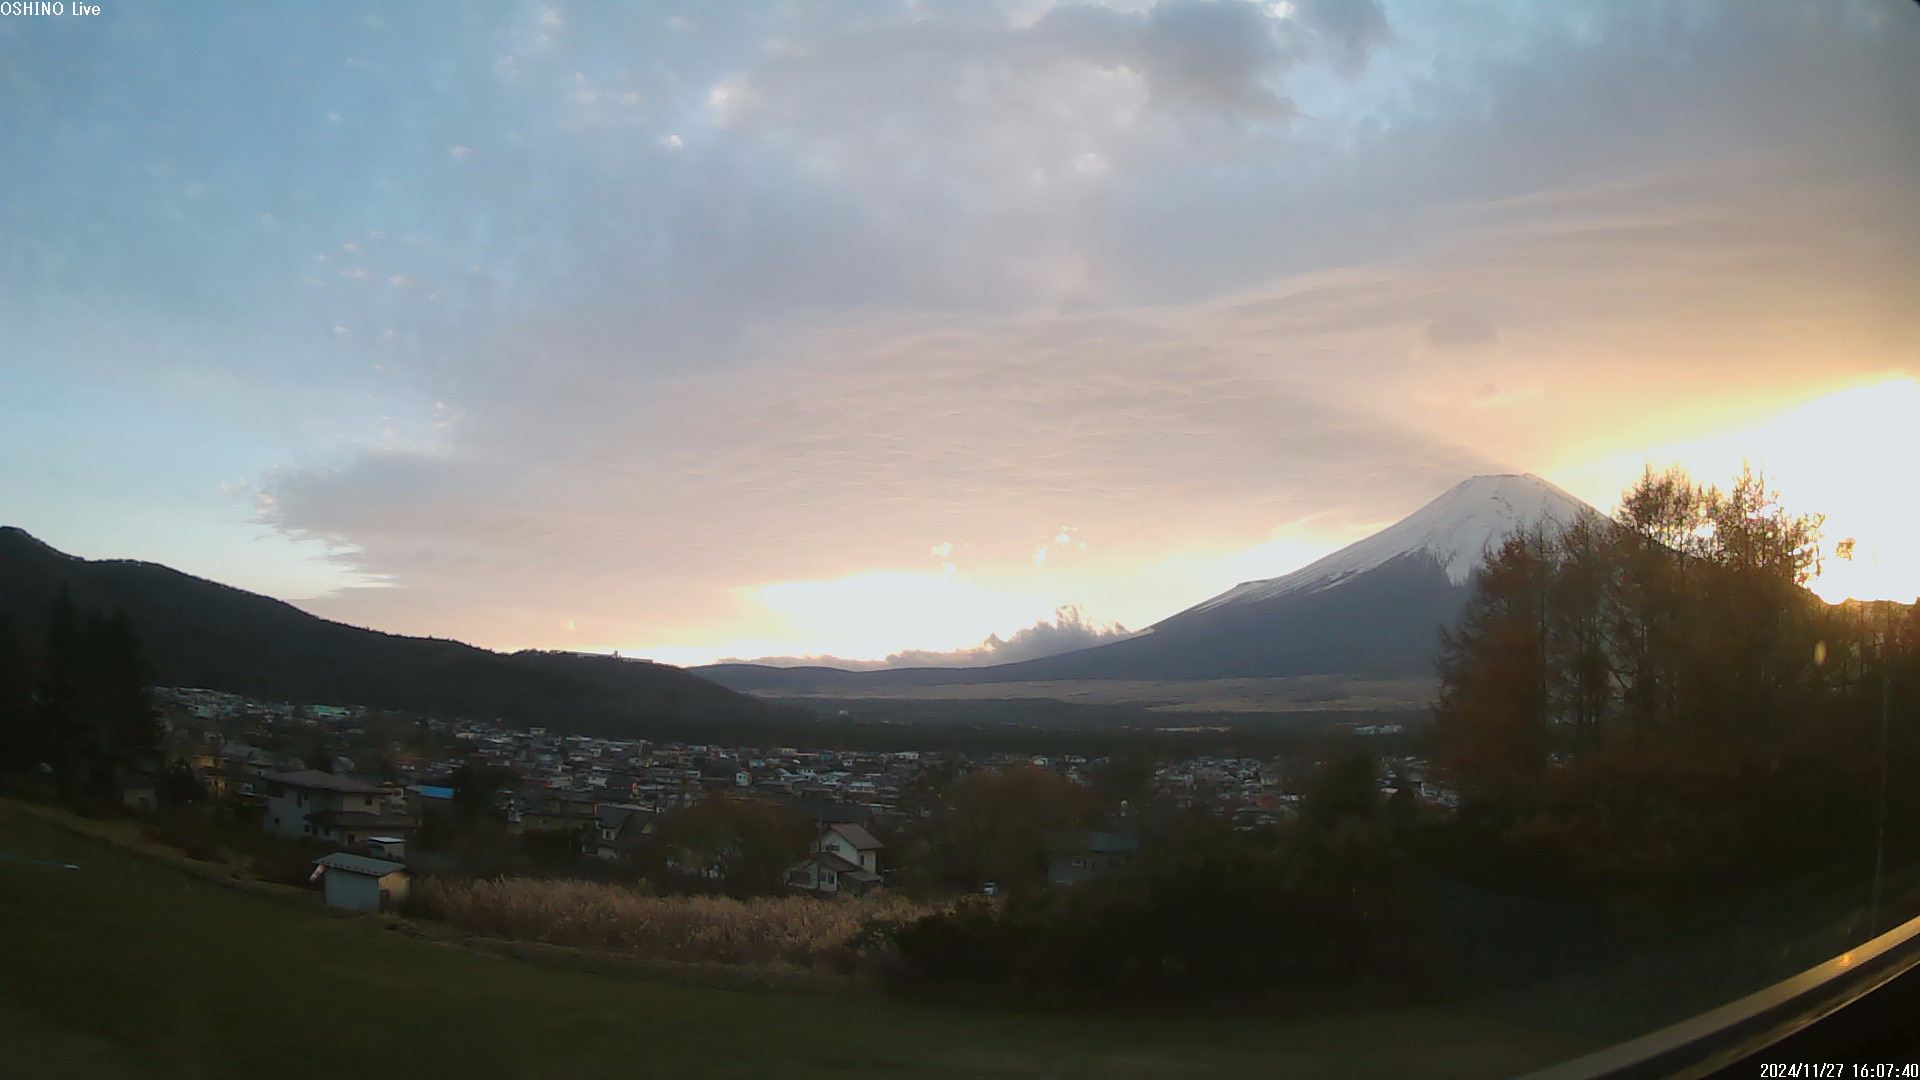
x,y
794,931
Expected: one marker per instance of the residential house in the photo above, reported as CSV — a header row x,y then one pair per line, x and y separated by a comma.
x,y
852,843
309,804
556,810
420,798
618,830
844,858
237,776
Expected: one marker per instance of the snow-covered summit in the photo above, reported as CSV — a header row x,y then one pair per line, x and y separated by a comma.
x,y
1454,530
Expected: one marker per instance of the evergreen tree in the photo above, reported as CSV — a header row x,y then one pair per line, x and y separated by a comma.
x,y
92,713
61,737
126,731
16,702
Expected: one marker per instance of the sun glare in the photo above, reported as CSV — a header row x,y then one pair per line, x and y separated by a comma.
x,y
869,615
1845,454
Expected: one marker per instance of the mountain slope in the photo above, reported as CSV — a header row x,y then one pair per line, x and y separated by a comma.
x,y
1453,531
1373,608
200,633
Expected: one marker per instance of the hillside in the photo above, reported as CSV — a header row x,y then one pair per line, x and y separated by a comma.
x,y
201,633
136,967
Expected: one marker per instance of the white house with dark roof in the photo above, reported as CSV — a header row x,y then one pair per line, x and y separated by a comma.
x,y
851,842
845,858
309,804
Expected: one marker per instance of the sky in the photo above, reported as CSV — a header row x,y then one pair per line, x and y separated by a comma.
x,y
859,329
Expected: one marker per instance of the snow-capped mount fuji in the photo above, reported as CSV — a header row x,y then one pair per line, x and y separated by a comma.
x,y
1455,531
1373,608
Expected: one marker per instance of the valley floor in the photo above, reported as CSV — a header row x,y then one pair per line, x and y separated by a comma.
x,y
128,967
1330,693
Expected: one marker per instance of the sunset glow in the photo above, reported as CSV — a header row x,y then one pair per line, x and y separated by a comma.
x,y
1843,454
698,335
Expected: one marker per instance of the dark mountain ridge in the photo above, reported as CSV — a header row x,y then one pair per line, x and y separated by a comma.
x,y
201,633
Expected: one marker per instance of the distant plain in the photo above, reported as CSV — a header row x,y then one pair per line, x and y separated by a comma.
x,y
1315,693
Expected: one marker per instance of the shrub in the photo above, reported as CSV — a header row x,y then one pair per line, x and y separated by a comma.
x,y
1221,913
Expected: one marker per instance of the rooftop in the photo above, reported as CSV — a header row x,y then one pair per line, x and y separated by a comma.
x,y
315,780
857,835
361,819
358,864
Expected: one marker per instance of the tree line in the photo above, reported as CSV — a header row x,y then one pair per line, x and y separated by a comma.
x,y
1656,704
74,698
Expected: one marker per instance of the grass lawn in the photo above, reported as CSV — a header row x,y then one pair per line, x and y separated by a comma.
x,y
127,967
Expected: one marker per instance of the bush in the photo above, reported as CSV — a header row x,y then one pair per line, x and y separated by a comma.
x,y
1221,913
967,945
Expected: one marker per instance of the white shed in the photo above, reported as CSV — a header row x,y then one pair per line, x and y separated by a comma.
x,y
359,883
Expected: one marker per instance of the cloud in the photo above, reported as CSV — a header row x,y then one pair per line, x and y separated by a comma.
x,y
1354,27
1066,631
1023,108
1459,330
935,426
738,417
1211,55
1175,273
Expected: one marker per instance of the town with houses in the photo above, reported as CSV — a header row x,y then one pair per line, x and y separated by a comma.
x,y
276,760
